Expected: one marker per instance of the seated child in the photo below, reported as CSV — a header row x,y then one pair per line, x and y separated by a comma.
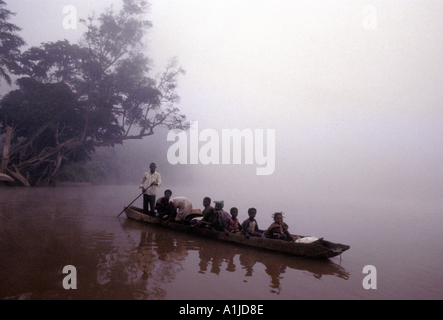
x,y
208,215
221,220
279,229
165,209
162,204
250,227
233,221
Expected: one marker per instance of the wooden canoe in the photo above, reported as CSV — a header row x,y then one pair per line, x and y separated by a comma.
x,y
320,249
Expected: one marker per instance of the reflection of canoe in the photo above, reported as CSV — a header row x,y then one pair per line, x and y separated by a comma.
x,y
320,249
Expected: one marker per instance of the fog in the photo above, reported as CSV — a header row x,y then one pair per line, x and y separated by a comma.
x,y
351,88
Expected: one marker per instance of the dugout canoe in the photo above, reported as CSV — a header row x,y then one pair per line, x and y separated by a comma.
x,y
320,249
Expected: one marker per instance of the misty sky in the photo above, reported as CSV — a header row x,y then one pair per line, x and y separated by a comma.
x,y
354,101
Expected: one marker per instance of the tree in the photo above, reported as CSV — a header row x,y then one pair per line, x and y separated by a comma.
x,y
45,118
10,43
76,97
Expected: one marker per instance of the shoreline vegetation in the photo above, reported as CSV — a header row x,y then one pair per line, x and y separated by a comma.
x,y
72,99
72,184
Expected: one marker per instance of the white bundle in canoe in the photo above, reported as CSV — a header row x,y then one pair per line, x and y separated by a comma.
x,y
306,240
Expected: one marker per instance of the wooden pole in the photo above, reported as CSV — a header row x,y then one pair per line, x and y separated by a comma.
x,y
129,204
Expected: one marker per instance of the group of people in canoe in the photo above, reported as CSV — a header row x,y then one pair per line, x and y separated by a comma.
x,y
218,219
179,209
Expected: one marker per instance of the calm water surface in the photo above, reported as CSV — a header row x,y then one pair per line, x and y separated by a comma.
x,y
44,229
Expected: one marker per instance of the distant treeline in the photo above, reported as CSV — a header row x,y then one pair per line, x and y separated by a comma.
x,y
107,166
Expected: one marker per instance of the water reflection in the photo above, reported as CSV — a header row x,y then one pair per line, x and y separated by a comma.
x,y
42,230
153,261
36,247
275,268
127,275
160,254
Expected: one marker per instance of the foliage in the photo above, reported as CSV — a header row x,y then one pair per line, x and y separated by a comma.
x,y
74,98
10,43
85,171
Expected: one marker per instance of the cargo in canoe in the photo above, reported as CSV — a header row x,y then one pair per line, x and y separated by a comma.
x,y
319,249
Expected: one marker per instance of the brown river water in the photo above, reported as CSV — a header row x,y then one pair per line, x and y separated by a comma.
x,y
42,230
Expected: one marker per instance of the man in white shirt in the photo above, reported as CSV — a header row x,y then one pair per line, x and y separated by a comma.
x,y
184,206
149,183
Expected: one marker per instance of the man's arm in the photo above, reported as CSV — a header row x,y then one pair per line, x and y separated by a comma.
x,y
159,180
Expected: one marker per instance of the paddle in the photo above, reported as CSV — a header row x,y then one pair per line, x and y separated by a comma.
x,y
129,204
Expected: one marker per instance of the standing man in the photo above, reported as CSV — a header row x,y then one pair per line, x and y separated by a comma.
x,y
150,181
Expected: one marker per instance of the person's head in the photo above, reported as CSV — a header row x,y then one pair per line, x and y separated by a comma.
x,y
164,201
168,193
278,217
219,205
234,212
251,213
163,205
206,202
152,166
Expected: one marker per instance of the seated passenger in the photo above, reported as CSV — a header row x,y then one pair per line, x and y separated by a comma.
x,y
165,209
250,227
279,229
160,204
233,221
208,214
221,220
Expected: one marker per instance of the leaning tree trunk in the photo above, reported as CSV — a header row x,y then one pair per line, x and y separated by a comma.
x,y
5,159
6,145
17,175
